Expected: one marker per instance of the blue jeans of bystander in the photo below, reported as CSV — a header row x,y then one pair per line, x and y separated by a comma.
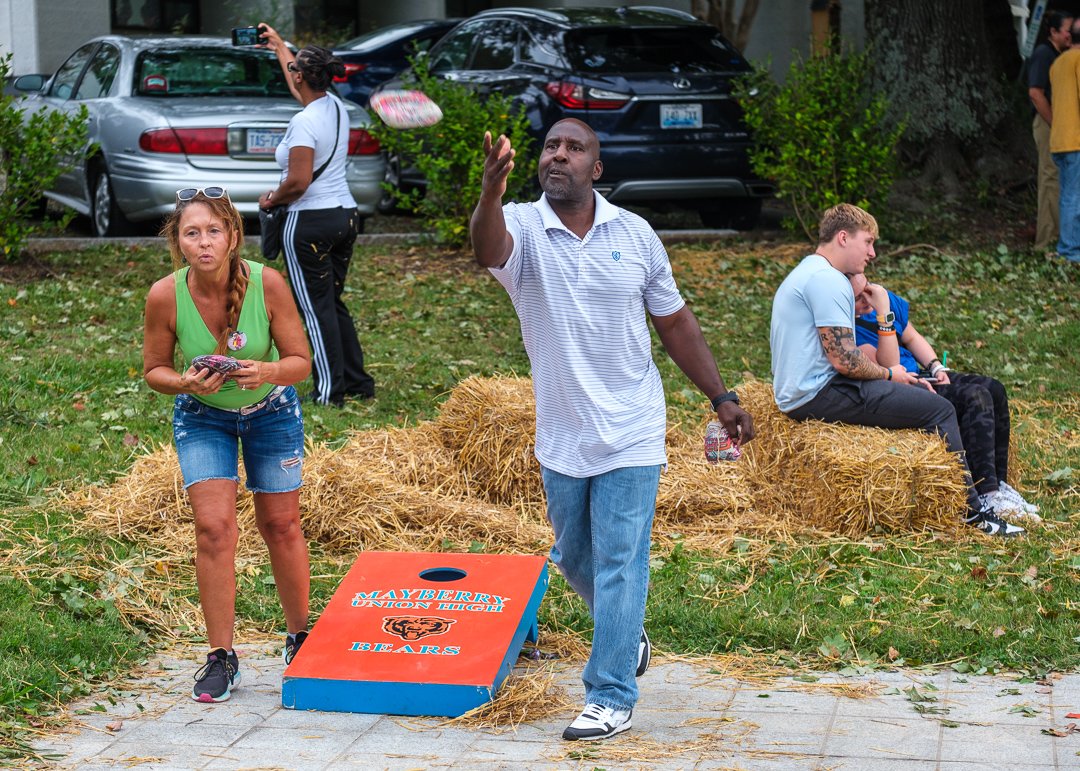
x,y
1069,204
602,530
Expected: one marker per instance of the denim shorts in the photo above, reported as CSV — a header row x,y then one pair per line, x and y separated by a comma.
x,y
271,436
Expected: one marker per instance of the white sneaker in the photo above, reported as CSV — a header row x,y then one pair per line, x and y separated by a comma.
x,y
598,722
1011,493
1005,506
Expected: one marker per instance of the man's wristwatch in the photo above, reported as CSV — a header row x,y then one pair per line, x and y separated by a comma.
x,y
730,396
886,322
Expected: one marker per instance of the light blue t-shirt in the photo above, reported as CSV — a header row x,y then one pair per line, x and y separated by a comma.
x,y
814,294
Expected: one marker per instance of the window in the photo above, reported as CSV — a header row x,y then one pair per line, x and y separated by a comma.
x,y
452,53
63,85
644,50
175,16
99,76
496,43
168,72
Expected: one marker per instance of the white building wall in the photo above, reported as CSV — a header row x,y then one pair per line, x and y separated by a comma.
x,y
42,33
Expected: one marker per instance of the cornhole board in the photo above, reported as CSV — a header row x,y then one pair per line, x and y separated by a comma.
x,y
418,634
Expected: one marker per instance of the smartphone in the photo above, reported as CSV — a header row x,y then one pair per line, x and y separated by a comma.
x,y
246,36
928,379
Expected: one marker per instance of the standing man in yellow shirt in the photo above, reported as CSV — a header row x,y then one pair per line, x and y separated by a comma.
x,y
1058,38
1065,143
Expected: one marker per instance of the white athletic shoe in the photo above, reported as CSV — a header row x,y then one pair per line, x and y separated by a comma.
x,y
1012,494
597,722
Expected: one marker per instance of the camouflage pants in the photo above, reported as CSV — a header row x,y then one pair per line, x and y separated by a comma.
x,y
982,410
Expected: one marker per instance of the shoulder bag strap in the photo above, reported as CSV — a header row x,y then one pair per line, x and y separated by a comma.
x,y
337,136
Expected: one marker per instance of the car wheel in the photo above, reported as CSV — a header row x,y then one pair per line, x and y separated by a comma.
x,y
737,213
106,219
388,202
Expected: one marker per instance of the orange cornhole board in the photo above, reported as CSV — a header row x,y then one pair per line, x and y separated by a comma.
x,y
418,634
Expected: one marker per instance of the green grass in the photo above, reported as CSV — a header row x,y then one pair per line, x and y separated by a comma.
x,y
74,410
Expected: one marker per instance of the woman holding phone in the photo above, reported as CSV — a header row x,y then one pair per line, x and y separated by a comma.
x,y
885,334
216,303
321,223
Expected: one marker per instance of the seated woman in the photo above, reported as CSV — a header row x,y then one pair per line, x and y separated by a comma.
x,y
884,334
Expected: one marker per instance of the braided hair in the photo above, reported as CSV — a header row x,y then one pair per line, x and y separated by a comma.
x,y
319,66
223,209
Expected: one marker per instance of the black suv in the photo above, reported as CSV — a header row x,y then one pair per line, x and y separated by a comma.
x,y
655,84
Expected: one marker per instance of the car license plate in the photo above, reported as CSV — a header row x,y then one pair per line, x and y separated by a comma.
x,y
263,141
680,116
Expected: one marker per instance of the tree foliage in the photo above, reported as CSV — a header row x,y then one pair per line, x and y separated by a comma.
x,y
450,154
822,136
35,149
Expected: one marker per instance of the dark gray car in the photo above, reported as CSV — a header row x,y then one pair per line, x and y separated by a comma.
x,y
174,112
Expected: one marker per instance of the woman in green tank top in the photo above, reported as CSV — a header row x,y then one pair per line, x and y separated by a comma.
x,y
218,303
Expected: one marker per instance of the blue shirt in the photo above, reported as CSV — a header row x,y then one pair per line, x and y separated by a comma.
x,y
814,294
900,308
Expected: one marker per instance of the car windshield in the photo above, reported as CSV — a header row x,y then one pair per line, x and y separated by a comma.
x,y
181,72
628,50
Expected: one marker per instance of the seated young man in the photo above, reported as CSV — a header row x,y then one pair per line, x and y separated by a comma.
x,y
982,406
818,370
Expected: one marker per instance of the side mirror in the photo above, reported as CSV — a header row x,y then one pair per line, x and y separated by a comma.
x,y
29,83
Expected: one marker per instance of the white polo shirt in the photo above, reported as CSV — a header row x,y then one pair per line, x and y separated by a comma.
x,y
582,305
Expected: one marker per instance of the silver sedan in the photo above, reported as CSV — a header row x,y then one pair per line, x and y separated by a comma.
x,y
174,112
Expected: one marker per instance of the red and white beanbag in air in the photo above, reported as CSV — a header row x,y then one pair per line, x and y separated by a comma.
x,y
405,109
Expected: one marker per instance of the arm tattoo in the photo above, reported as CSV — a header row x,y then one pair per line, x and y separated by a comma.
x,y
839,345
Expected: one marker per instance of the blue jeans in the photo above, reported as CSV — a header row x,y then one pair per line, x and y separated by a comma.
x,y
272,436
1069,204
602,530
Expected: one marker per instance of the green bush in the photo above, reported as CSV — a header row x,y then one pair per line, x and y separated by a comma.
x,y
34,151
450,154
822,136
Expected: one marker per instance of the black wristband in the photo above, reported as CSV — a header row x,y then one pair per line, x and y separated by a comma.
x,y
730,396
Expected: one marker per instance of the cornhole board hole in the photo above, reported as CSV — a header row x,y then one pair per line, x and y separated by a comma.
x,y
418,634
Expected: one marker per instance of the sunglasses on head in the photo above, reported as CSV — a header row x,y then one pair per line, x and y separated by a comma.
x,y
188,193
291,67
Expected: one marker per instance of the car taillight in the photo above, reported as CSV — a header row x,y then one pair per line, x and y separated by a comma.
x,y
350,70
577,97
362,143
198,141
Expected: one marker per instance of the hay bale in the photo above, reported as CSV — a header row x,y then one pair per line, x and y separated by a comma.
x,y
852,479
489,425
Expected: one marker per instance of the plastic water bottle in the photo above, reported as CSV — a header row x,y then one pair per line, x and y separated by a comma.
x,y
718,445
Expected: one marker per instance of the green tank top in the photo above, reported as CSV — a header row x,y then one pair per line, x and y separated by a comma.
x,y
251,340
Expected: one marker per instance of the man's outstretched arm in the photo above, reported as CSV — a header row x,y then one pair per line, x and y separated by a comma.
x,y
685,344
491,242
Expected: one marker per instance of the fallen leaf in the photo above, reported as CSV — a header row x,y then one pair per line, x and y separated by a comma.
x,y
1031,572
32,460
979,343
978,572
893,653
114,727
78,406
998,632
130,440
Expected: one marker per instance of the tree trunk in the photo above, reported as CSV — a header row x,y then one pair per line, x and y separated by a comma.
x,y
721,14
942,63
